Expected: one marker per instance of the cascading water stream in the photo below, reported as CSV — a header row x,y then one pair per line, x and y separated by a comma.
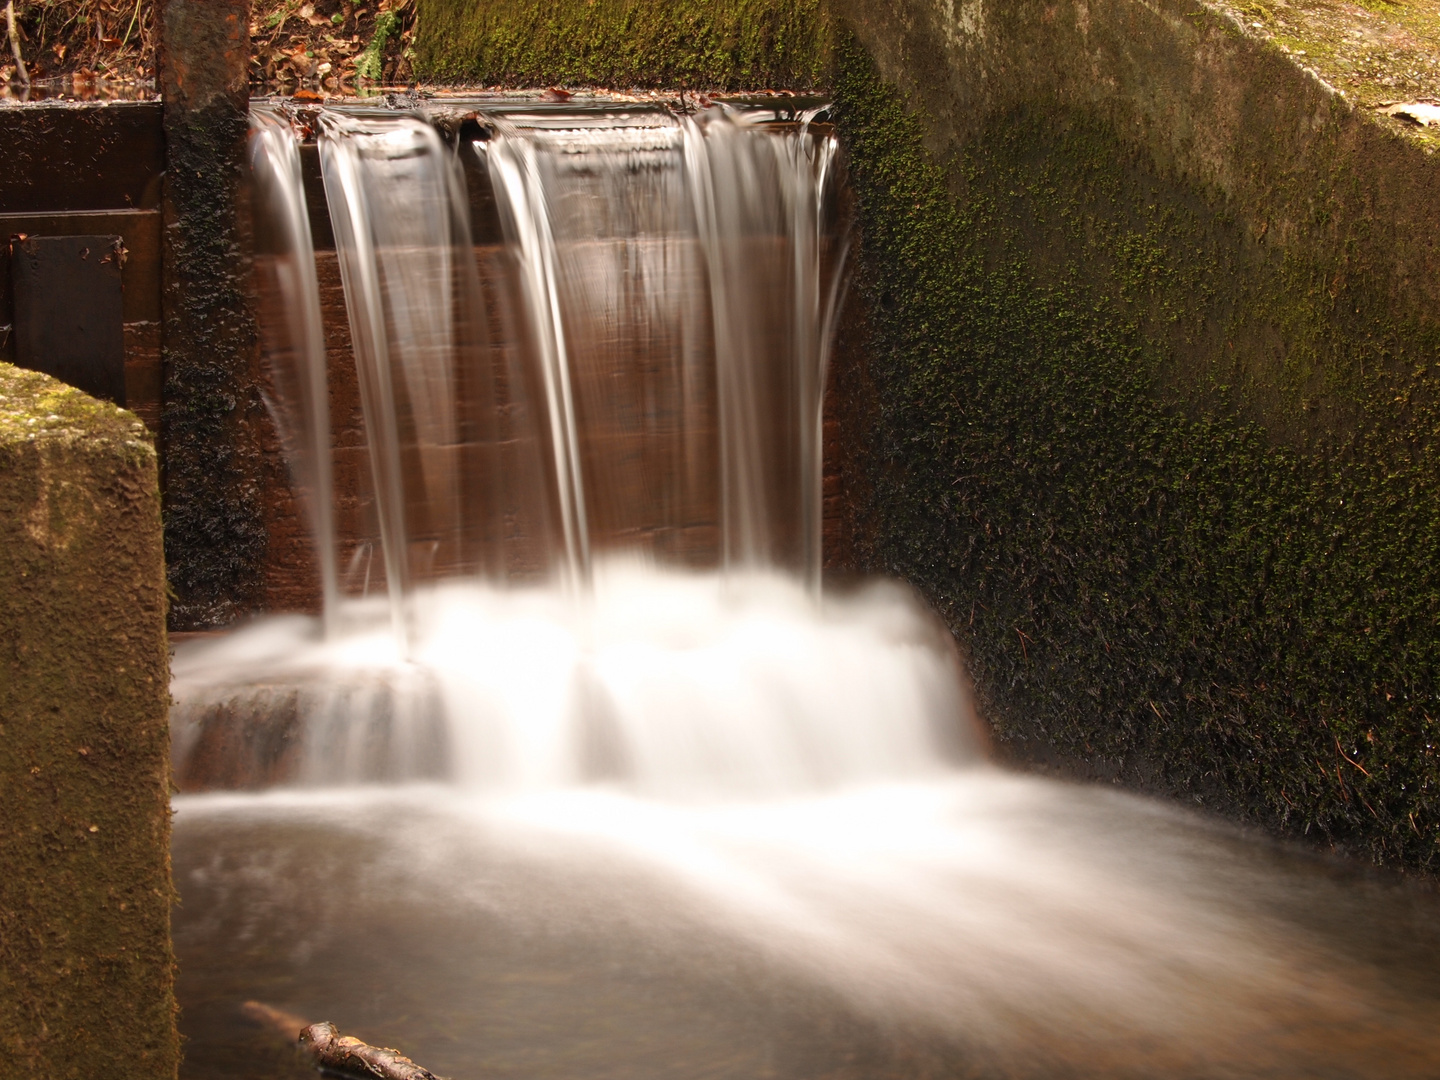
x,y
297,344
395,209
606,785
677,279
525,206
730,189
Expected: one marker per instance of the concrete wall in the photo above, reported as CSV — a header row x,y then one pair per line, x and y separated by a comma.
x,y
670,44
85,961
1153,361
1243,131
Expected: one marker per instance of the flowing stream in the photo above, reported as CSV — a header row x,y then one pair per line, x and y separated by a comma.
x,y
582,771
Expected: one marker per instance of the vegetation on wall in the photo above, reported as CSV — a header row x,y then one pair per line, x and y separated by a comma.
x,y
1145,576
672,44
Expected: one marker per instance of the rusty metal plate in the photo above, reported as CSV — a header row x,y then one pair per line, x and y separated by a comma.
x,y
70,309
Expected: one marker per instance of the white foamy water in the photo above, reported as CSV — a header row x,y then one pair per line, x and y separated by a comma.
x,y
714,773
673,684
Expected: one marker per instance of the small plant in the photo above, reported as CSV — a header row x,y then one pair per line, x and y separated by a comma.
x,y
370,63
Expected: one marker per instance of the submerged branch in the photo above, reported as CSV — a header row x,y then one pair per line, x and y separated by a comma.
x,y
351,1057
333,1053
283,1026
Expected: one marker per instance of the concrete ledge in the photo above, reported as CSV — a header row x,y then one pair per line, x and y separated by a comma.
x,y
667,44
85,962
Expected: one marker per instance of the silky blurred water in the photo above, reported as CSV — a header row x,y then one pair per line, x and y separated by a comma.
x,y
709,825
980,924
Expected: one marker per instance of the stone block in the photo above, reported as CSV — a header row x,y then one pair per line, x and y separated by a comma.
x,y
86,971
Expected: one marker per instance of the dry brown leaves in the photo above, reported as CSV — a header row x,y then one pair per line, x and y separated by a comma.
x,y
320,44
330,44
90,41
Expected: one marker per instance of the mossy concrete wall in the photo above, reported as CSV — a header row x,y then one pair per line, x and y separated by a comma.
x,y
85,893
1155,357
670,44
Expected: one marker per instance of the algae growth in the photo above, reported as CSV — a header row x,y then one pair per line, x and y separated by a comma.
x,y
671,44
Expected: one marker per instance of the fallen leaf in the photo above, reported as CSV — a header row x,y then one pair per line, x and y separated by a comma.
x,y
1421,113
307,95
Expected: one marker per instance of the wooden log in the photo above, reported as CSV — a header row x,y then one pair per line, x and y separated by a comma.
x,y
348,1056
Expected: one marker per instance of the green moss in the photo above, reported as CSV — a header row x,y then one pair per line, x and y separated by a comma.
x,y
709,44
34,406
1175,492
369,63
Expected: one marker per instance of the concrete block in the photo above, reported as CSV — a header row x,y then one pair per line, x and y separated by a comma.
x,y
86,971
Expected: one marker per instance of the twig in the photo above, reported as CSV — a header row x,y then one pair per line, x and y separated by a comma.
x,y
1348,758
351,1057
329,1051
15,42
133,20
285,14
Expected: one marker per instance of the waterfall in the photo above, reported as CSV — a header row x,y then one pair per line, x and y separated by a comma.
x,y
744,183
625,226
399,226
610,322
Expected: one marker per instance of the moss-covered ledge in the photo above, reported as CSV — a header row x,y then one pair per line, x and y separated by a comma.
x,y
85,961
1155,342
667,44
1380,55
1331,207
